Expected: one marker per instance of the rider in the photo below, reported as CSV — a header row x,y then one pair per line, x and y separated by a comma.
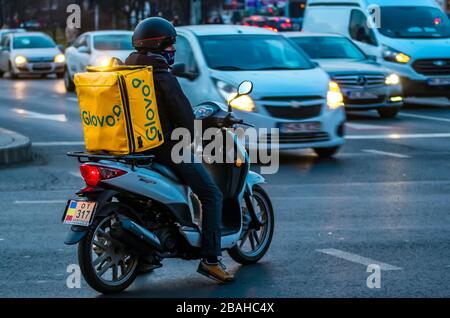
x,y
154,40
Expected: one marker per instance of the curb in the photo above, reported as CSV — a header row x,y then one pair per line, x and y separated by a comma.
x,y
14,148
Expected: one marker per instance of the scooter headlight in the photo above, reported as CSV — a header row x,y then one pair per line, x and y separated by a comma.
x,y
228,92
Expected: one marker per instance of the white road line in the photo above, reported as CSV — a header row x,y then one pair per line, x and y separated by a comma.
x,y
33,115
398,136
72,99
358,259
447,120
58,143
354,126
75,174
385,153
40,201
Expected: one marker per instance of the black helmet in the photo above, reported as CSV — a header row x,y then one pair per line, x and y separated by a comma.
x,y
154,34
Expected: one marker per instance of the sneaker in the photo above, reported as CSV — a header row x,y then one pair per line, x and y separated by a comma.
x,y
216,271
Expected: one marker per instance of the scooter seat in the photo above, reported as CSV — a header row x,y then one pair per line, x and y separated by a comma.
x,y
165,171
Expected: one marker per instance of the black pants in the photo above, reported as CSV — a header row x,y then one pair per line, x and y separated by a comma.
x,y
201,183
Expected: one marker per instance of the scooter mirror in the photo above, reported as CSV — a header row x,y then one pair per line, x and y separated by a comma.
x,y
245,88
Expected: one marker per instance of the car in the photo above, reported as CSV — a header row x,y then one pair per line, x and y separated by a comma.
x,y
364,83
290,92
412,38
95,49
255,20
276,24
5,32
279,24
28,53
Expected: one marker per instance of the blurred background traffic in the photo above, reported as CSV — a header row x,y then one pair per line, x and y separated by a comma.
x,y
326,56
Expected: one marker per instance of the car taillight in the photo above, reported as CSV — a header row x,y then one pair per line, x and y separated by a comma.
x,y
92,175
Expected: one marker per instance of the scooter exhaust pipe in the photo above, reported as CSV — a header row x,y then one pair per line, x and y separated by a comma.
x,y
135,236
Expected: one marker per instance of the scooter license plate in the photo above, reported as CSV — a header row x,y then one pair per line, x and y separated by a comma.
x,y
79,212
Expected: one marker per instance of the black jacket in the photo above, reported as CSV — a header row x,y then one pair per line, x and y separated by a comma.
x,y
174,108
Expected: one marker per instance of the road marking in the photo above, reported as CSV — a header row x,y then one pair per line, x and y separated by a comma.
x,y
72,99
358,259
447,120
398,136
58,143
2,239
75,174
385,153
40,201
34,115
354,126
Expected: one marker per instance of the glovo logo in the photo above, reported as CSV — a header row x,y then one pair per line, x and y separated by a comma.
x,y
90,119
151,131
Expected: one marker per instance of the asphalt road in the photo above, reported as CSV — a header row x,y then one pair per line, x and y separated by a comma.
x,y
383,200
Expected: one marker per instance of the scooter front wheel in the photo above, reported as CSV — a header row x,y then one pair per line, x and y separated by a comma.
x,y
255,241
106,265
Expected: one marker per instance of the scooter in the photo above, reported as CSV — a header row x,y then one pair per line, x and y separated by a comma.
x,y
134,211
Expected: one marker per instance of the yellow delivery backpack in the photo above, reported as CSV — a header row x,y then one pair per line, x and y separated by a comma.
x,y
118,109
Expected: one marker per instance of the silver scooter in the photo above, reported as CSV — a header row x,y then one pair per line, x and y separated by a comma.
x,y
136,212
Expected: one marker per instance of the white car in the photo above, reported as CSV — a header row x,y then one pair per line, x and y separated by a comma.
x,y
5,32
30,53
412,38
290,91
95,49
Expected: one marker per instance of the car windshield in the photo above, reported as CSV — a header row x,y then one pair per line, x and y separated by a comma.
x,y
33,42
252,52
329,47
113,42
414,22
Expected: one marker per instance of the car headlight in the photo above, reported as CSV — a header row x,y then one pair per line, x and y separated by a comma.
x,y
60,58
335,99
392,55
392,79
20,60
103,61
244,103
228,92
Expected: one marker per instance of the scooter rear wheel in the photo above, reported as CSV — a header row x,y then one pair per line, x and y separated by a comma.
x,y
105,263
255,242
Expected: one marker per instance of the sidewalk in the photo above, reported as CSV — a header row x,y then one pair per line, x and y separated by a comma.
x,y
14,147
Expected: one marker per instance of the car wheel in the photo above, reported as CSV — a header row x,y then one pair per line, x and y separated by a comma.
x,y
68,82
60,75
324,153
1,74
12,74
388,112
